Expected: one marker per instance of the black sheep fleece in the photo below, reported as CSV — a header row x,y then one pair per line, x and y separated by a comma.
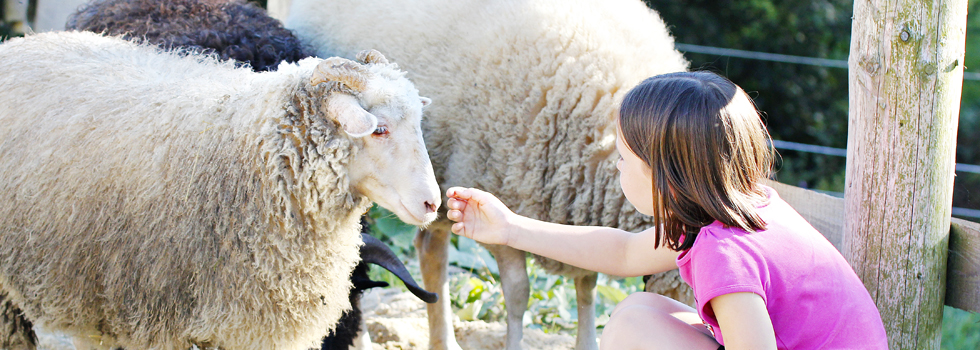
x,y
342,338
231,29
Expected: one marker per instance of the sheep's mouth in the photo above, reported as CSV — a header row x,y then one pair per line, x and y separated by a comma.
x,y
413,218
408,214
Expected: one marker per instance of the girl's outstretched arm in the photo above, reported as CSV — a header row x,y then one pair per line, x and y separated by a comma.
x,y
481,216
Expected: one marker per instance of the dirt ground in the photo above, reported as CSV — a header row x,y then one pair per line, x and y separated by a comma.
x,y
396,320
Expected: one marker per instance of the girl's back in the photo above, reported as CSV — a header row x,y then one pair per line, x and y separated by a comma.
x,y
810,291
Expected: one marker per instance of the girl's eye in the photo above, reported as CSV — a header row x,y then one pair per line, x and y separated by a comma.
x,y
381,130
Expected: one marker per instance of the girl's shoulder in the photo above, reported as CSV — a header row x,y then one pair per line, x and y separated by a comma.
x,y
785,229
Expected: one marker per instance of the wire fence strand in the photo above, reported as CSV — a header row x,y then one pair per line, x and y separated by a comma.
x,y
775,57
840,152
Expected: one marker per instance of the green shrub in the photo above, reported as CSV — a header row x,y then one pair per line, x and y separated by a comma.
x,y
961,329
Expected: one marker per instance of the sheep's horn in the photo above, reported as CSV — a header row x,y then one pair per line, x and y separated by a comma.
x,y
376,252
342,70
371,56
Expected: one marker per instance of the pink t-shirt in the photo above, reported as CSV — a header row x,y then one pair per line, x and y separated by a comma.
x,y
814,298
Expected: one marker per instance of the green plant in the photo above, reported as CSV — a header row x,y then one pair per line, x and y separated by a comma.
x,y
551,306
961,329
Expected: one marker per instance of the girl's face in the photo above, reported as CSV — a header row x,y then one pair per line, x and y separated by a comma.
x,y
635,177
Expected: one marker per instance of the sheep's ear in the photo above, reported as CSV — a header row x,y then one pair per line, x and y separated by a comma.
x,y
425,101
345,109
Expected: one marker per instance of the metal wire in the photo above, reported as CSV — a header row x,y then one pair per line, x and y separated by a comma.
x,y
840,152
775,57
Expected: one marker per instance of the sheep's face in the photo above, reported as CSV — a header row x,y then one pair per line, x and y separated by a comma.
x,y
392,167
384,116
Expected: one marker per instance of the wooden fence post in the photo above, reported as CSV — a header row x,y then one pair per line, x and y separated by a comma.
x,y
905,80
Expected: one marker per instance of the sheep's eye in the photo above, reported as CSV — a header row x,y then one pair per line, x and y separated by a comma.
x,y
381,130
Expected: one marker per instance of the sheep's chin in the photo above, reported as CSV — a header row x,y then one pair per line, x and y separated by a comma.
x,y
428,219
408,216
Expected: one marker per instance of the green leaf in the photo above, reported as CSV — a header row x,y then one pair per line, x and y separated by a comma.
x,y
613,294
387,225
476,293
472,256
470,311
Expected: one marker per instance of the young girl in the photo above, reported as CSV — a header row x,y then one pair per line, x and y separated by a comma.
x,y
694,154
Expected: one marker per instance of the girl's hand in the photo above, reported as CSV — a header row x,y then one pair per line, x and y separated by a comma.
x,y
478,215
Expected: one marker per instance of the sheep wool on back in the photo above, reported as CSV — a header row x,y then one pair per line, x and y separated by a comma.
x,y
158,200
527,95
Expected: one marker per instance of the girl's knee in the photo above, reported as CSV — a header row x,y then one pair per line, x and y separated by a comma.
x,y
637,325
627,325
652,300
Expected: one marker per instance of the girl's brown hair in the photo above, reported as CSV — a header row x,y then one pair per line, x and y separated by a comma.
x,y
705,142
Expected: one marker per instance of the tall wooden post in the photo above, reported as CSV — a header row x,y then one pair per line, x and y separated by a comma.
x,y
906,76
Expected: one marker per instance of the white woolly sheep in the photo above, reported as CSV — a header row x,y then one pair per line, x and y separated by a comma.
x,y
158,200
238,30
528,92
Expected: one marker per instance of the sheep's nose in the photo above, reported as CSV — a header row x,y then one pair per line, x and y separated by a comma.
x,y
430,208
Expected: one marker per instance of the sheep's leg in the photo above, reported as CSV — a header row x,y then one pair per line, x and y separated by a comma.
x,y
585,296
432,245
513,277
